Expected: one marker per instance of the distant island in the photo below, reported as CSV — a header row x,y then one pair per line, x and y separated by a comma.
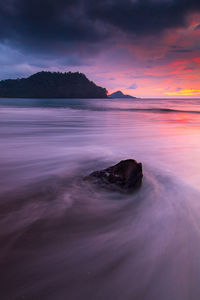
x,y
119,94
52,85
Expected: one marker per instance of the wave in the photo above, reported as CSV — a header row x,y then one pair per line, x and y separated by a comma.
x,y
92,107
154,110
87,243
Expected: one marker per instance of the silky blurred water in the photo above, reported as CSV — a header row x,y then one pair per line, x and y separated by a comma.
x,y
61,238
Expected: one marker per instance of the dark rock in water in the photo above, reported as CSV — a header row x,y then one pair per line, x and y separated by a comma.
x,y
126,176
119,94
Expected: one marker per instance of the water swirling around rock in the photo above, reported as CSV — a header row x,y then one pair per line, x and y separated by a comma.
x,y
62,238
82,242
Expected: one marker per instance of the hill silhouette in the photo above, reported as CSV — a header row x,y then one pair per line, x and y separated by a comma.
x,y
52,85
119,94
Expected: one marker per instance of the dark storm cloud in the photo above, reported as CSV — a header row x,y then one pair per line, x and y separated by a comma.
x,y
143,16
45,21
181,51
71,25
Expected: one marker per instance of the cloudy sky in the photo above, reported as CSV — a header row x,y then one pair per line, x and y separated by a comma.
x,y
147,48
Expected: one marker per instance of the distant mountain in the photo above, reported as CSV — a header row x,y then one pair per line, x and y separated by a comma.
x,y
119,94
52,85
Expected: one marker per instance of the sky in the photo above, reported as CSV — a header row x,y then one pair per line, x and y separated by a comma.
x,y
145,48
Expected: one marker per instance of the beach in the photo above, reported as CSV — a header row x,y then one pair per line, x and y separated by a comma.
x,y
62,238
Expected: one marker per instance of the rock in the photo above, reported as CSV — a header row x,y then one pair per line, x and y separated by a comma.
x,y
126,176
119,94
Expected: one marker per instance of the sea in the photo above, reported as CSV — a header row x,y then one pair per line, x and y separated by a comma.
x,y
62,238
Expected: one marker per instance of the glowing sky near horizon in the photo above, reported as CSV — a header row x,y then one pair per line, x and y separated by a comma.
x,y
148,48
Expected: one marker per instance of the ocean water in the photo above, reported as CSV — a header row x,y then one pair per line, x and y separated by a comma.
x,y
61,238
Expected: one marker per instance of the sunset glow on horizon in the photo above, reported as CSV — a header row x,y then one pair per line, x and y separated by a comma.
x,y
100,149
150,49
168,67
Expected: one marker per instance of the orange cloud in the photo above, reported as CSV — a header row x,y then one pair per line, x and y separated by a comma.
x,y
186,92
